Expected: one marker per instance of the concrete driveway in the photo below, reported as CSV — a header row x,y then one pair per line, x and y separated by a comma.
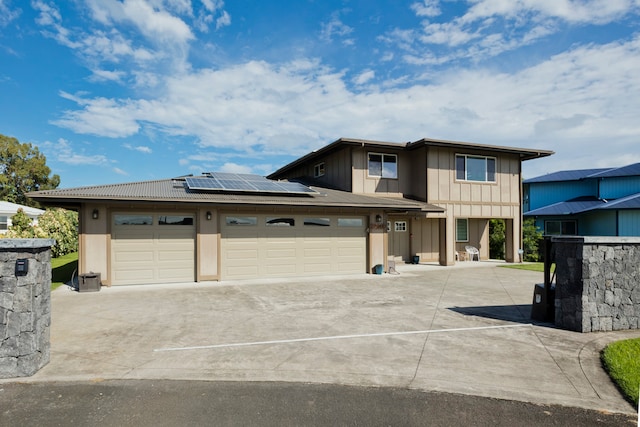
x,y
463,329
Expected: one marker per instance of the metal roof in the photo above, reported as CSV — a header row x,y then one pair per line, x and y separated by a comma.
x,y
585,204
567,175
576,175
175,191
569,207
524,153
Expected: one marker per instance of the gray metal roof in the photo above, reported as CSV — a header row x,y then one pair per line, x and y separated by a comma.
x,y
570,207
175,191
524,153
629,170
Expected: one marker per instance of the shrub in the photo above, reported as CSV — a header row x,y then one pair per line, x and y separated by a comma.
x,y
59,224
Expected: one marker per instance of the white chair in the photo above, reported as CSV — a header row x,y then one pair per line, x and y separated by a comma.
x,y
472,252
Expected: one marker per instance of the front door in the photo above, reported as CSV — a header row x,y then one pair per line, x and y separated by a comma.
x,y
399,239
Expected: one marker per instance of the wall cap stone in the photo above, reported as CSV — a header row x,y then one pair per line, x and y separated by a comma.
x,y
602,240
26,243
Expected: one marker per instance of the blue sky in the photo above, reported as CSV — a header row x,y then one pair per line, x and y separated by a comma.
x,y
128,90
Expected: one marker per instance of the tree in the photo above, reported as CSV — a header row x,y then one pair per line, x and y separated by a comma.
x,y
58,224
496,238
531,238
23,169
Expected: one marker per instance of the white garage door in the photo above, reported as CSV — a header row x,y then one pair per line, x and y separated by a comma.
x,y
152,248
256,246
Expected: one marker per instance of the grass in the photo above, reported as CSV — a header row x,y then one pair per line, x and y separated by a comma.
x,y
621,359
530,266
62,269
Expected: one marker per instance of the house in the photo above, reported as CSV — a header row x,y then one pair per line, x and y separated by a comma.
x,y
587,202
345,208
8,209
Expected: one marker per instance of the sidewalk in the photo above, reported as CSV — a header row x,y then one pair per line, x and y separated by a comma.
x,y
463,329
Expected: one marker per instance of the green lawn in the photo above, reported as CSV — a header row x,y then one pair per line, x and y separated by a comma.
x,y
62,269
531,266
621,359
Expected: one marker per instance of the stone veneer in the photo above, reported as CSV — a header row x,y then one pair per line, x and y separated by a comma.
x,y
25,307
597,283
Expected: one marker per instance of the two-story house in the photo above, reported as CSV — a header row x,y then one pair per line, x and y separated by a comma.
x,y
345,208
587,202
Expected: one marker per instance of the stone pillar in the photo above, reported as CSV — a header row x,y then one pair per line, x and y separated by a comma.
x,y
25,306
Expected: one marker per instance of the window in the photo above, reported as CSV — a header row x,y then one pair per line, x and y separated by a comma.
x,y
475,168
349,222
318,170
4,222
400,226
561,228
462,230
317,222
241,220
383,165
281,222
175,220
133,219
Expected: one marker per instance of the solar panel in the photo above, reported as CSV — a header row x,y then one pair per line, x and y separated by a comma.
x,y
246,183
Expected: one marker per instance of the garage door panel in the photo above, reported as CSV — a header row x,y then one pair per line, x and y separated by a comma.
x,y
279,251
152,253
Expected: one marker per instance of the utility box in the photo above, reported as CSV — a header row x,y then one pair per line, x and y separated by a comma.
x,y
89,282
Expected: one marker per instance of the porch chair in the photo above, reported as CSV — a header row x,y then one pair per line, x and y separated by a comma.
x,y
472,252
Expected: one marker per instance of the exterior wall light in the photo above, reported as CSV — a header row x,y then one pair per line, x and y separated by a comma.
x,y
378,218
95,214
208,215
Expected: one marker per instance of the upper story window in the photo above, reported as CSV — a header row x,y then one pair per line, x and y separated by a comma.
x,y
318,170
383,165
475,168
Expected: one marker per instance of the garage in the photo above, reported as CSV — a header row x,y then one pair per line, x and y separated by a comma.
x,y
152,248
258,246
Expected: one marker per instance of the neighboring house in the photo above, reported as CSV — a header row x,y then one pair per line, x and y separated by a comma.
x,y
342,209
587,202
8,209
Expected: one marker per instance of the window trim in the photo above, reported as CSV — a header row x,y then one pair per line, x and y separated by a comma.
x,y
318,170
382,161
487,171
400,226
466,237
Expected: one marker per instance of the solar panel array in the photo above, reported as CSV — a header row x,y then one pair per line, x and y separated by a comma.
x,y
235,182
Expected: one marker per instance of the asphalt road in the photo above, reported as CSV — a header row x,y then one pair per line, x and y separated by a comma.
x,y
196,403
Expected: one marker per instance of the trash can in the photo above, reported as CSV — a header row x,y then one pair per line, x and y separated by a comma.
x,y
416,259
377,269
89,282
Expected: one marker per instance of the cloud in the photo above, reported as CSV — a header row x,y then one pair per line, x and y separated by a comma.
x,y
7,14
334,28
364,77
223,20
583,96
139,148
235,168
489,28
68,155
120,171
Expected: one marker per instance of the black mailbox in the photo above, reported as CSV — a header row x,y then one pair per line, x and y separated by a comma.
x,y
22,267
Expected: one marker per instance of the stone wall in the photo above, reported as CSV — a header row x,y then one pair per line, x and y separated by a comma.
x,y
597,283
25,307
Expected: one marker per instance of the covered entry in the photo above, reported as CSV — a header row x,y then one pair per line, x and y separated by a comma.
x,y
152,248
279,245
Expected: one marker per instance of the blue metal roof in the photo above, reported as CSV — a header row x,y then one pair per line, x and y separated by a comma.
x,y
569,207
628,202
629,170
569,175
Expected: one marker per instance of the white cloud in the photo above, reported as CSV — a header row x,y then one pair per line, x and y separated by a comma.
x,y
223,20
364,77
570,103
334,28
7,14
66,154
427,8
140,148
120,171
235,168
